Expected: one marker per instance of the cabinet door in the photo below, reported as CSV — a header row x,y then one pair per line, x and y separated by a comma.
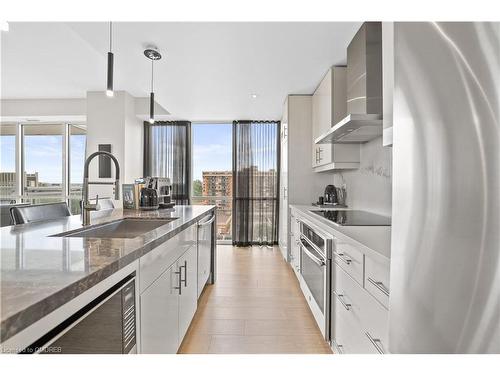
x,y
160,314
188,300
322,120
322,106
294,247
283,206
322,154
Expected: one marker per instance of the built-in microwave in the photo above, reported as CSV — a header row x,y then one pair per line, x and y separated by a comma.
x,y
315,270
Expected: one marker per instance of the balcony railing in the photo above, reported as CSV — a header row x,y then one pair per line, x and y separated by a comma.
x,y
223,212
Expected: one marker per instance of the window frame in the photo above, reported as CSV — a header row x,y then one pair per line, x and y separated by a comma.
x,y
20,194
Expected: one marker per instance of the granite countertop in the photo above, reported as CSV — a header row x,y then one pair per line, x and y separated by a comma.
x,y
372,238
40,273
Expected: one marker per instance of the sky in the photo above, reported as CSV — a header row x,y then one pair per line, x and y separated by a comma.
x,y
43,154
212,148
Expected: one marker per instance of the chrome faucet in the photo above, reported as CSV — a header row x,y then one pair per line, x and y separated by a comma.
x,y
86,206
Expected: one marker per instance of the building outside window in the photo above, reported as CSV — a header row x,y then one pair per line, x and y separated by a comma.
x,y
48,157
212,172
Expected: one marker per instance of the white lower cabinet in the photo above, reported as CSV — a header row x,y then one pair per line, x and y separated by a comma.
x,y
188,298
360,322
169,302
159,305
294,244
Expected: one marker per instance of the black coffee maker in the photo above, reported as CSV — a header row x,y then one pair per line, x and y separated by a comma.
x,y
148,199
331,195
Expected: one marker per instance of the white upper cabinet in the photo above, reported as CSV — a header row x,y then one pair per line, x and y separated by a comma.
x,y
329,106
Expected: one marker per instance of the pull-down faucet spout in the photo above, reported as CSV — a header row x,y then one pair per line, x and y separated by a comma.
x,y
86,206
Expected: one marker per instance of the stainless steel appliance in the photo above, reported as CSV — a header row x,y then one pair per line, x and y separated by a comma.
x,y
107,325
163,188
206,252
148,199
445,258
315,270
353,217
330,195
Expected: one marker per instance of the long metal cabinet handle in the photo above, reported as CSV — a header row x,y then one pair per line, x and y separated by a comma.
x,y
375,343
340,297
185,272
179,288
314,258
207,222
345,259
380,286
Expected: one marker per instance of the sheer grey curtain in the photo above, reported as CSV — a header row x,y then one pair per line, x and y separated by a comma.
x,y
255,182
167,153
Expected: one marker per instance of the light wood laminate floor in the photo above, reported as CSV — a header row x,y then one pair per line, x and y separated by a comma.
x,y
255,306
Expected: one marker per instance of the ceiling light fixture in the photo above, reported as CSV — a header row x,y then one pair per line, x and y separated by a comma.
x,y
109,87
4,26
152,54
254,96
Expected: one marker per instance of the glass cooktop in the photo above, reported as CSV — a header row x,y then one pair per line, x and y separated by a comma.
x,y
354,217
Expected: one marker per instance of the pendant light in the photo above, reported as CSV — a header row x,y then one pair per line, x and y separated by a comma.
x,y
109,87
152,54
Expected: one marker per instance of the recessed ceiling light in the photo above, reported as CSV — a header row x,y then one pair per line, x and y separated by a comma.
x,y
254,96
4,26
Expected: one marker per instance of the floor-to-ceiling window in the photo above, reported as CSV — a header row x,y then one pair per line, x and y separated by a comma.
x,y
212,172
77,141
8,176
42,163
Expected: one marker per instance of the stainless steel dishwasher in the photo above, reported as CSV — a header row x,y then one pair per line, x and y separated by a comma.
x,y
206,252
107,325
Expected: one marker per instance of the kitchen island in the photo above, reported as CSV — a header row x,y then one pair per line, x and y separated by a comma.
x,y
41,272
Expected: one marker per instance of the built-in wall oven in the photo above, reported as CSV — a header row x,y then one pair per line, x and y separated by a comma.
x,y
315,270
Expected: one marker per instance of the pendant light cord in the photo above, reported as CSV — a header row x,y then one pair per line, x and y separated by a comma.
x,y
152,74
110,35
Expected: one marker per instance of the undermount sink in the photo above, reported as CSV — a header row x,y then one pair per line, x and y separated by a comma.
x,y
124,228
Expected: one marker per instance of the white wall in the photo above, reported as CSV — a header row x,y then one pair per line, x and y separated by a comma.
x,y
113,121
134,144
370,187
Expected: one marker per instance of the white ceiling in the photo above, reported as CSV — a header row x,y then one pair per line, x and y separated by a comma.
x,y
208,71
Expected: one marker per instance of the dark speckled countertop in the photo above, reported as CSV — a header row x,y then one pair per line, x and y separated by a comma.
x,y
40,273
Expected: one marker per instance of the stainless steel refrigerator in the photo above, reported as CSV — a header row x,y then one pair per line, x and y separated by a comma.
x,y
445,266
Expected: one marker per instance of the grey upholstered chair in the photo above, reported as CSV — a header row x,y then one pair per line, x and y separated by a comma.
x,y
39,212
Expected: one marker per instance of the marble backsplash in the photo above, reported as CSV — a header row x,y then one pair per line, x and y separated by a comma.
x,y
370,186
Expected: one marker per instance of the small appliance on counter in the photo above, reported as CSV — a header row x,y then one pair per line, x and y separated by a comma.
x,y
334,197
331,195
148,199
163,188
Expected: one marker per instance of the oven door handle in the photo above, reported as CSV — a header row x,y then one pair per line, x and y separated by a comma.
x,y
304,239
320,262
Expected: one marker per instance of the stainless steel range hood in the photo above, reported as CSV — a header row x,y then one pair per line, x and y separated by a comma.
x,y
364,89
354,128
